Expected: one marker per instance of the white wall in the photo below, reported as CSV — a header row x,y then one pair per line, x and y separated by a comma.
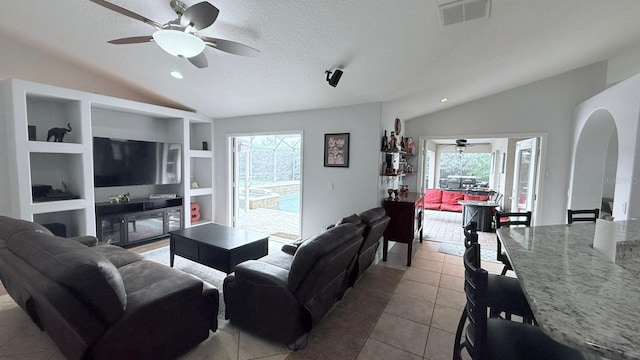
x,y
542,107
355,188
622,102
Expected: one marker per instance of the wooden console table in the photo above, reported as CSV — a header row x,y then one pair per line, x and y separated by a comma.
x,y
406,215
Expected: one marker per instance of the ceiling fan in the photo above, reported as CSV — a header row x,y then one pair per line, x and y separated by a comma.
x,y
179,37
461,145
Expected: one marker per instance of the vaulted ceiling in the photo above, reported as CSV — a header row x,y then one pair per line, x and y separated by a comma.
x,y
394,52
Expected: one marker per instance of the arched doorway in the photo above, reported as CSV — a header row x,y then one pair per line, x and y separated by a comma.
x,y
595,164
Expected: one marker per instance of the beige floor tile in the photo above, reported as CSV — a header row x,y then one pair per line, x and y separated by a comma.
x,y
220,346
453,270
401,333
428,265
451,298
453,259
274,357
445,318
251,347
428,246
417,290
30,342
423,276
429,255
376,350
452,282
439,345
410,308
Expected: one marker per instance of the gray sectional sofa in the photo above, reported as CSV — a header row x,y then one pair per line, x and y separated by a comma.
x,y
102,301
284,295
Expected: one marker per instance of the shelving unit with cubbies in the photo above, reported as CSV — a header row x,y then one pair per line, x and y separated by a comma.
x,y
30,109
199,168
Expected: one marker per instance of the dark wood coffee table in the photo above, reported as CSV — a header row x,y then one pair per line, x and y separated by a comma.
x,y
218,246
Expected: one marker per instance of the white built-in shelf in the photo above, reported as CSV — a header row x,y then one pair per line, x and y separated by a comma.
x,y
200,191
57,206
55,147
201,154
201,222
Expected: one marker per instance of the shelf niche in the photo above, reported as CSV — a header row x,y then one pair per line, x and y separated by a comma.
x,y
54,169
45,113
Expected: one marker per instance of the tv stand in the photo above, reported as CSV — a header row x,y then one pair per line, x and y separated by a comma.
x,y
140,220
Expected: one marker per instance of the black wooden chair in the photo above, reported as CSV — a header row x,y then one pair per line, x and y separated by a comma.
x,y
491,338
582,215
504,294
507,219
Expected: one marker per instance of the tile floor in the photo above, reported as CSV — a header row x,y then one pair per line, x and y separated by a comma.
x,y
419,321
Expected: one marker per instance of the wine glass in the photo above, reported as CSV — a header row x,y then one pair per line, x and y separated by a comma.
x,y
390,191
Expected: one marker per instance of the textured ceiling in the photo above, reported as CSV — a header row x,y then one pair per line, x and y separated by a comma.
x,y
394,52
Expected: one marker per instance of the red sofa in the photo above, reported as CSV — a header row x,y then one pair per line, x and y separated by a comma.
x,y
436,199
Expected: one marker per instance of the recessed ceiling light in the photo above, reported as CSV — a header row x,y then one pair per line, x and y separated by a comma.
x,y
444,100
176,75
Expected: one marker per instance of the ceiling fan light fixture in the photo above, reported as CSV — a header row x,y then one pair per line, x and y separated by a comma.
x,y
179,43
460,148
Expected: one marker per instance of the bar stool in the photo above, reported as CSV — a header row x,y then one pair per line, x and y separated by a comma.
x,y
505,294
491,338
504,219
583,215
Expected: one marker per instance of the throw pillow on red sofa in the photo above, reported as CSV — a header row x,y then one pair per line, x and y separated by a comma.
x,y
450,201
476,197
432,199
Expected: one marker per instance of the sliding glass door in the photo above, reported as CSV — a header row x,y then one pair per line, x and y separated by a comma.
x,y
267,184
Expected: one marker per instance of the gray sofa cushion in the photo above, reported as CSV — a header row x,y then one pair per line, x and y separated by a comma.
x,y
315,248
118,256
371,215
10,227
91,276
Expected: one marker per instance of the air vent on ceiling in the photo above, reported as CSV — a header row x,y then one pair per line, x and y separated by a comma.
x,y
464,10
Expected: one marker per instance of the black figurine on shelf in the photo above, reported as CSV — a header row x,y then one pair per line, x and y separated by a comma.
x,y
58,133
385,142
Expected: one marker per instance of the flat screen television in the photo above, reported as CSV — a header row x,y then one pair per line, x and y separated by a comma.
x,y
120,162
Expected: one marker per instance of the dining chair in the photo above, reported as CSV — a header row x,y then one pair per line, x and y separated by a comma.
x,y
582,215
504,294
492,338
508,219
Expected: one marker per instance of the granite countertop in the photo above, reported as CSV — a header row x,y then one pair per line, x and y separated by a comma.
x,y
578,297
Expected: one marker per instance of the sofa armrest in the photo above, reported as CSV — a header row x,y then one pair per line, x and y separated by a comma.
x,y
257,297
162,320
289,249
86,240
262,273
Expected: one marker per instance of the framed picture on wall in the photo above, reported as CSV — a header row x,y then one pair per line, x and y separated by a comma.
x,y
336,150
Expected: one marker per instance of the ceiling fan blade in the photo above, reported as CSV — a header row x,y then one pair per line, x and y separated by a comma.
x,y
126,12
200,15
231,47
132,40
199,61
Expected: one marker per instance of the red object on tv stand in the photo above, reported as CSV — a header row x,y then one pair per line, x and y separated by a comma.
x,y
195,212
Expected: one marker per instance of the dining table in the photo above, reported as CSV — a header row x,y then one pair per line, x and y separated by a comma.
x,y
578,296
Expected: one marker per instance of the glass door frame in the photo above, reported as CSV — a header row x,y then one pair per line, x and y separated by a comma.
x,y
530,145
232,171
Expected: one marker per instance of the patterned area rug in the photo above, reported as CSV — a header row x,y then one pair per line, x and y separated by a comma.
x,y
458,250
